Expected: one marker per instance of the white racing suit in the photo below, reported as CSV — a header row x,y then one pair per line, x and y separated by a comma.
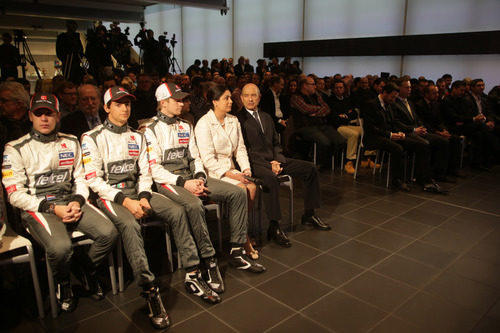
x,y
174,159
116,166
40,170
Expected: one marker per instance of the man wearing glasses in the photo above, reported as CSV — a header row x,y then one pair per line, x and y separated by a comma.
x,y
43,175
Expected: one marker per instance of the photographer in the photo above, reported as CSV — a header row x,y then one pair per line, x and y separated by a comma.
x,y
120,45
9,58
69,50
98,52
165,55
151,54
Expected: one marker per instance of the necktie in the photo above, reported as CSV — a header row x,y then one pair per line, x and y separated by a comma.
x,y
408,107
94,121
256,116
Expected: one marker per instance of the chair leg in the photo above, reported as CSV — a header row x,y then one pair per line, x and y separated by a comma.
x,y
376,162
219,225
462,150
342,154
36,282
168,245
119,262
112,273
358,158
388,171
291,204
52,290
314,153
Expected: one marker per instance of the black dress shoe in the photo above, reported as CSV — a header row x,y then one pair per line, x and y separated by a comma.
x,y
397,184
434,188
316,222
278,236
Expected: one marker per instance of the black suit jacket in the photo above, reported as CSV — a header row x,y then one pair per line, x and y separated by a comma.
x,y
75,123
377,122
430,114
403,118
268,106
262,147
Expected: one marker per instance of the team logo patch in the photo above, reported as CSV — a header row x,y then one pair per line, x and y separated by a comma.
x,y
50,197
183,137
51,178
91,175
133,149
7,173
11,188
5,158
64,146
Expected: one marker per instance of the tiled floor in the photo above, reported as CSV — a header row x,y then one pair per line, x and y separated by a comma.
x,y
393,262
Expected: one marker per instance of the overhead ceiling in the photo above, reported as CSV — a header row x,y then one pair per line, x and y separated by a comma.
x,y
42,20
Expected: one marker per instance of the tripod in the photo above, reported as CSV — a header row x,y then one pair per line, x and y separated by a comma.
x,y
20,40
174,62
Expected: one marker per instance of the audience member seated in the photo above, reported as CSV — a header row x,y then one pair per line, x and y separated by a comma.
x,y
462,119
382,131
268,162
412,126
88,114
429,111
272,101
481,104
14,103
144,106
344,118
220,141
68,97
311,122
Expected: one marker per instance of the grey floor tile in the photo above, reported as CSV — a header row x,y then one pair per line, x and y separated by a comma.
x,y
294,289
368,216
329,269
449,240
425,216
110,321
487,325
477,270
406,227
298,323
494,312
348,227
204,322
465,292
382,292
472,227
292,256
359,253
395,325
273,268
406,270
389,207
433,314
429,254
321,240
343,313
385,239
251,312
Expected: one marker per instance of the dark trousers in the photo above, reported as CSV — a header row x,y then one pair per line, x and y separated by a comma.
x,y
326,137
440,153
298,169
484,143
411,144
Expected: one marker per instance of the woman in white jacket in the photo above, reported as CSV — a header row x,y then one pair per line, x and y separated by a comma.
x,y
219,139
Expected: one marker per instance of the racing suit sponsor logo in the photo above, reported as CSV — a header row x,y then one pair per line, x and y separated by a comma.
x,y
66,158
50,197
7,173
90,175
121,167
133,149
152,162
51,178
174,154
11,188
183,137
86,160
64,146
5,158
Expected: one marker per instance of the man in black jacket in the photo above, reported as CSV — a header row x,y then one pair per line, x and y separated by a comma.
x,y
382,131
412,126
271,103
268,162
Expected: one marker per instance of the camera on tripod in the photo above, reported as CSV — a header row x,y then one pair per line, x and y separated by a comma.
x,y
19,36
173,41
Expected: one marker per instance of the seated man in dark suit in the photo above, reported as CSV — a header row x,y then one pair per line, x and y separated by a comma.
x,y
271,103
462,119
412,126
267,162
88,114
382,131
428,110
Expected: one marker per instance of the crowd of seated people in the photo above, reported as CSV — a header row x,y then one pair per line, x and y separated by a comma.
x,y
220,133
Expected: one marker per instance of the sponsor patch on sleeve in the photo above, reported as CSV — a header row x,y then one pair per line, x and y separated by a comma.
x,y
91,175
86,160
133,149
11,189
152,162
7,173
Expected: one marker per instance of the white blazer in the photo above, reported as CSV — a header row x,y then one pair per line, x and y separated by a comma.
x,y
218,145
